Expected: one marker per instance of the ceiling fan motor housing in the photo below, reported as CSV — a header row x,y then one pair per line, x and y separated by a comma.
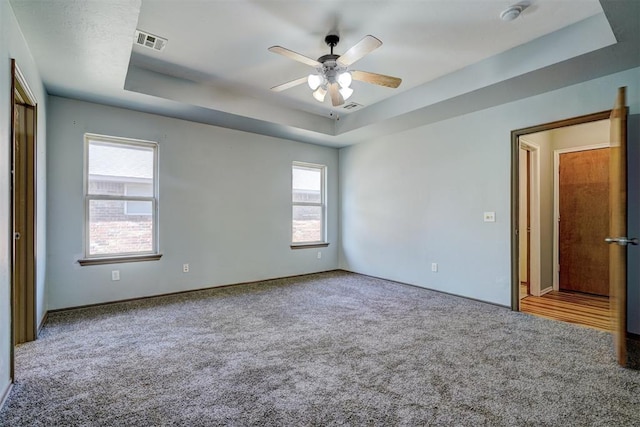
x,y
330,68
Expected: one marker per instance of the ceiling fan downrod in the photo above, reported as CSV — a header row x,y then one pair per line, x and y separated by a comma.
x,y
331,40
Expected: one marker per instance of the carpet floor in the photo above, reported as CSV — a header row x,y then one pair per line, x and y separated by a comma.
x,y
327,349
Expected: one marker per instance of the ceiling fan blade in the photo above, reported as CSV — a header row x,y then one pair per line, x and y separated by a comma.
x,y
336,97
294,55
366,45
290,84
376,79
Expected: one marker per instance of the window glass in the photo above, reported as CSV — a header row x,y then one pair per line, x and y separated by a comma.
x,y
114,166
307,185
111,231
307,224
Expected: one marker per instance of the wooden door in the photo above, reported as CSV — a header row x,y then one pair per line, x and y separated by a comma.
x,y
618,226
584,221
23,201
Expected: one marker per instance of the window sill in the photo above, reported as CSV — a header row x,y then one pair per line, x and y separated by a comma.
x,y
308,245
117,260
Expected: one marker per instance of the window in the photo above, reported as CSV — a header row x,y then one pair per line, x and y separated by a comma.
x,y
121,198
308,204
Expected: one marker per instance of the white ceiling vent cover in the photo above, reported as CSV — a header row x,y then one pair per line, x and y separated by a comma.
x,y
150,41
352,106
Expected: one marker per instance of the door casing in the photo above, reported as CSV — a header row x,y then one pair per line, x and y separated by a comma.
x,y
534,215
23,255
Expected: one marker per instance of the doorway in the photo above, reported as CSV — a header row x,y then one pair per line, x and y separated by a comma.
x,y
617,237
578,148
23,212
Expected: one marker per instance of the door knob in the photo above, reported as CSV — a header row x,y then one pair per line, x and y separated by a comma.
x,y
622,241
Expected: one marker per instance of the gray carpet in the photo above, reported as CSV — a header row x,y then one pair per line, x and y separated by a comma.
x,y
327,349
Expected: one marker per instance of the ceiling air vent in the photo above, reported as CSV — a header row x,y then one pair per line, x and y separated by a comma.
x,y
150,41
352,106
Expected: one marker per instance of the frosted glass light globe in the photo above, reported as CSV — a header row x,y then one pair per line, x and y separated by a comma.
x,y
319,94
314,80
344,79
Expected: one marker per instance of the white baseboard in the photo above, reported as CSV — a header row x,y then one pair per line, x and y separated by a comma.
x,y
546,290
5,394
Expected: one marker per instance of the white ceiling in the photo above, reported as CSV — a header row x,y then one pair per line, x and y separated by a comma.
x,y
216,67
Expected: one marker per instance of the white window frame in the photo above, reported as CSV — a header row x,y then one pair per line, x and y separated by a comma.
x,y
322,204
152,254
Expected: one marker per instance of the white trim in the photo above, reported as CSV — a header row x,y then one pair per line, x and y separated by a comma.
x,y
5,394
534,235
119,139
556,203
582,148
546,290
25,86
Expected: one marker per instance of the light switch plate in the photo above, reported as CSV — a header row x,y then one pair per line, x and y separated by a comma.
x,y
489,217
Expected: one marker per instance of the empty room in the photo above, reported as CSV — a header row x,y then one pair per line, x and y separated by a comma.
x,y
291,213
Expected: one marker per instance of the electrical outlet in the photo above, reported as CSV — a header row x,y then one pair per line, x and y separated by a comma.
x,y
115,275
434,267
319,255
185,268
489,217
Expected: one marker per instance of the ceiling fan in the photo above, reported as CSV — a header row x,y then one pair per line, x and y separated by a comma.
x,y
333,74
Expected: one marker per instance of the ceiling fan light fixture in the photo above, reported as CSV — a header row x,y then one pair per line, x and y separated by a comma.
x,y
345,79
319,94
346,92
314,81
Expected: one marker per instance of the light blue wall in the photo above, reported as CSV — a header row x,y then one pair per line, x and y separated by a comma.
x,y
13,45
225,206
418,197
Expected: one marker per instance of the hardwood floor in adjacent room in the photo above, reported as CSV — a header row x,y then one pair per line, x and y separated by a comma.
x,y
573,307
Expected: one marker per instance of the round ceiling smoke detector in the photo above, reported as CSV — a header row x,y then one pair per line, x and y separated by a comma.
x,y
511,13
